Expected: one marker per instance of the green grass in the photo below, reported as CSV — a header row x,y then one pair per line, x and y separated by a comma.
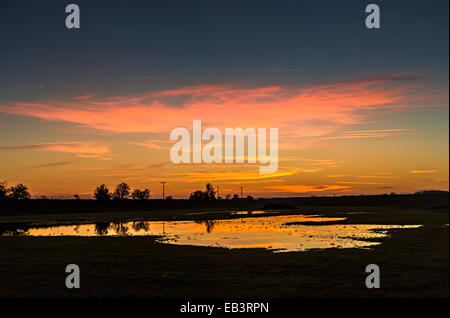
x,y
413,263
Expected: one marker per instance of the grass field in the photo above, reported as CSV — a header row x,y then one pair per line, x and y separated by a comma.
x,y
413,262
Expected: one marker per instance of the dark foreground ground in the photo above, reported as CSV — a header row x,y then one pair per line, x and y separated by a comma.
x,y
413,263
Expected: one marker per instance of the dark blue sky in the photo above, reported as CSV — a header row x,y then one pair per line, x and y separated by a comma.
x,y
130,46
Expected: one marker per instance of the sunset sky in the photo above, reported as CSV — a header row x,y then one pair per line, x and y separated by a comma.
x,y
357,110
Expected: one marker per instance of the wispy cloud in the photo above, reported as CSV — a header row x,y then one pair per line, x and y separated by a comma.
x,y
51,164
423,171
84,97
224,176
358,182
304,111
80,148
300,188
153,144
338,175
130,167
379,175
382,133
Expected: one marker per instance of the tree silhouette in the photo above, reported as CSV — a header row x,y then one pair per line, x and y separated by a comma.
x,y
19,192
4,190
197,195
140,194
102,193
122,191
208,194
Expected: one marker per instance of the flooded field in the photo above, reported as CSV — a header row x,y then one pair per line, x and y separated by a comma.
x,y
279,233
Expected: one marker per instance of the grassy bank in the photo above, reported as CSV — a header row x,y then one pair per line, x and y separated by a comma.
x,y
29,208
413,263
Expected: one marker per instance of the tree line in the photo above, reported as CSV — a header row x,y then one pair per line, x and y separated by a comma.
x,y
121,192
210,193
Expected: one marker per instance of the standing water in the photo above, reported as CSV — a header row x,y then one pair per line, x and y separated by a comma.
x,y
278,233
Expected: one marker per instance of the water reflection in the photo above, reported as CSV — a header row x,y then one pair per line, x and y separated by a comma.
x,y
208,223
101,228
281,233
120,228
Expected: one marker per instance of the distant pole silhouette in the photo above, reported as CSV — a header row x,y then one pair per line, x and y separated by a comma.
x,y
241,192
163,183
218,192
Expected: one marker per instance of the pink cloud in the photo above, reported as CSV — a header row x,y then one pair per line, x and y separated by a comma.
x,y
311,111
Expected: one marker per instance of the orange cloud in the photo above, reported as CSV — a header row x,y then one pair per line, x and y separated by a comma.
x,y
423,171
216,176
371,134
153,144
357,182
338,175
300,188
302,111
